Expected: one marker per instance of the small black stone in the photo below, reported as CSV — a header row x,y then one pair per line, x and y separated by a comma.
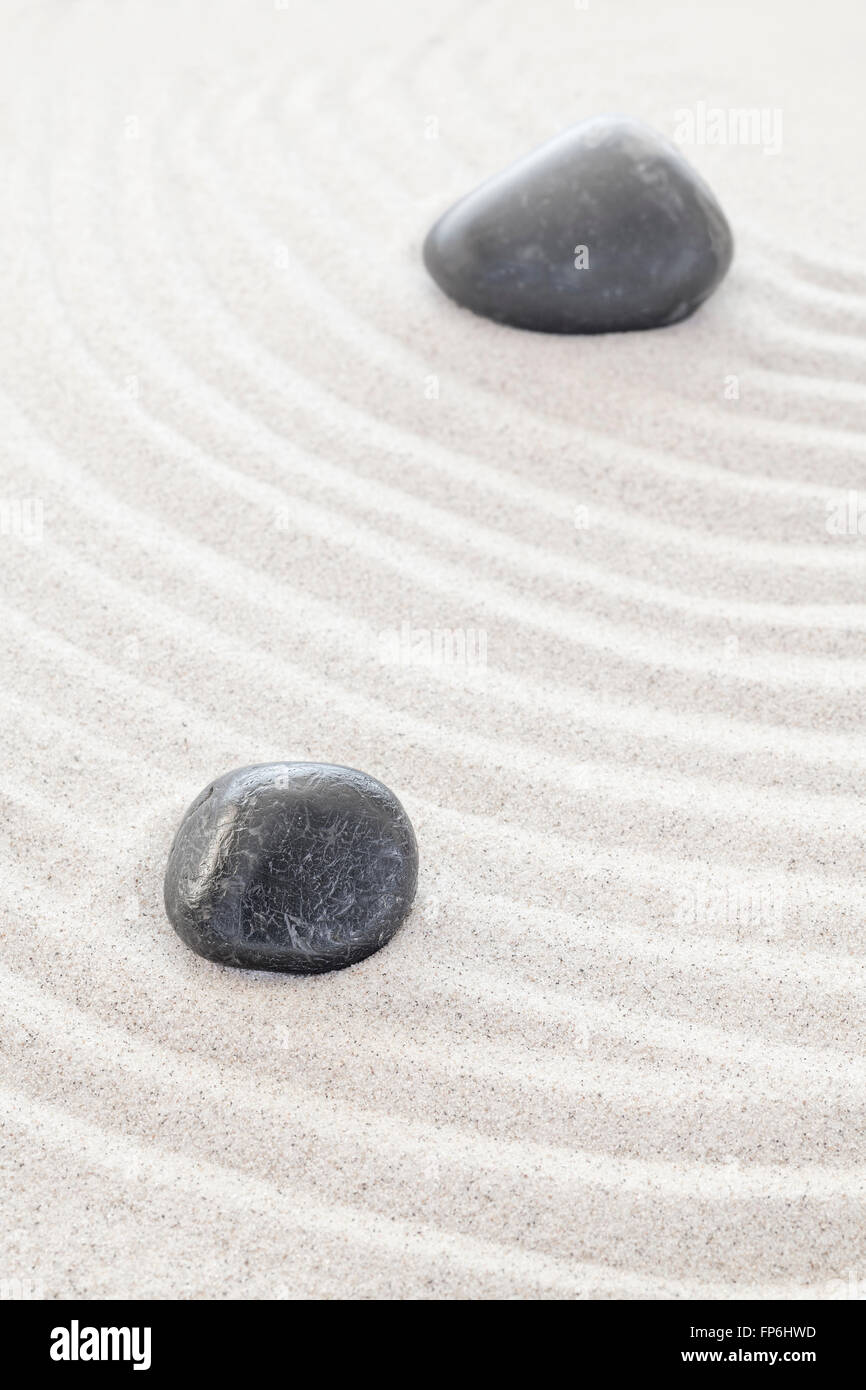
x,y
604,228
302,867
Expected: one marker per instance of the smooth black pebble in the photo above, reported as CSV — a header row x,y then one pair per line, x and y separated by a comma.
x,y
302,867
604,228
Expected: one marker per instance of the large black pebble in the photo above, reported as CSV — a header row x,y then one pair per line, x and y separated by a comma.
x,y
302,867
604,228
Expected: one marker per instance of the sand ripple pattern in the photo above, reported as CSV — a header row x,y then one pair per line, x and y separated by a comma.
x,y
617,1050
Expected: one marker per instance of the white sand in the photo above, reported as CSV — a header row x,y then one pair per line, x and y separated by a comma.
x,y
617,1049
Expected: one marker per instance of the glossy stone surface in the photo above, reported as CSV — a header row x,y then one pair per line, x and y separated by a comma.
x,y
302,867
603,229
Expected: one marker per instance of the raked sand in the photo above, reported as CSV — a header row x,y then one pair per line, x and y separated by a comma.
x,y
617,1049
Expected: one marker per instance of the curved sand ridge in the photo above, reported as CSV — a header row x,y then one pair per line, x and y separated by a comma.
x,y
251,457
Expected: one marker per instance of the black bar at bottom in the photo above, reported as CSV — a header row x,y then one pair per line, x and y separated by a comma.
x,y
168,1338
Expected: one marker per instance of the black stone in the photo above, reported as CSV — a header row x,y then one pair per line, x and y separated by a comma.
x,y
291,866
656,241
